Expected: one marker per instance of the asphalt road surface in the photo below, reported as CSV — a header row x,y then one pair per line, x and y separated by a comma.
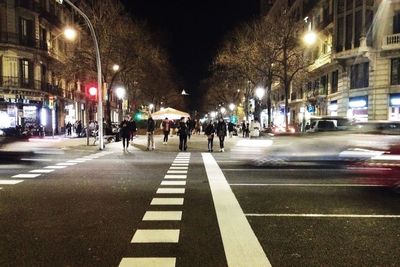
x,y
84,207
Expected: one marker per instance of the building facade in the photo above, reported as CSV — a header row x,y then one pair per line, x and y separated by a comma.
x,y
355,66
33,91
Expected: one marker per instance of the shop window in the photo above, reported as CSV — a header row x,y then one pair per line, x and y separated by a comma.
x,y
359,76
395,72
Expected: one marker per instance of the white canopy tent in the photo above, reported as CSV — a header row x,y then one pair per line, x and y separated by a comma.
x,y
170,113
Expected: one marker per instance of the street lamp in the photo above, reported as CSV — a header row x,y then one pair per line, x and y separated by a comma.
x,y
260,92
223,110
232,106
151,107
70,33
310,38
115,67
98,63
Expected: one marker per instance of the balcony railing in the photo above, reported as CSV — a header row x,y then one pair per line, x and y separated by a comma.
x,y
37,85
391,42
15,39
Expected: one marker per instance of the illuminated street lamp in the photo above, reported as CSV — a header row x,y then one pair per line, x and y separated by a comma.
x,y
115,67
120,92
260,92
70,33
310,38
232,106
223,110
151,107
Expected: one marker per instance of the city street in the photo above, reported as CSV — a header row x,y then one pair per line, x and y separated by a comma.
x,y
73,205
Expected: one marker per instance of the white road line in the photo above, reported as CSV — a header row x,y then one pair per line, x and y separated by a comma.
x,y
156,236
175,176
240,243
322,215
66,164
312,185
75,161
178,168
175,171
42,171
27,159
167,201
10,182
180,161
171,191
162,216
55,167
26,175
180,164
173,183
147,262
85,159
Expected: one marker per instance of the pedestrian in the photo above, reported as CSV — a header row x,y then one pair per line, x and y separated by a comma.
x,y
79,128
165,126
244,129
189,127
221,132
255,127
69,128
247,129
209,132
150,133
132,128
230,128
124,132
172,126
183,134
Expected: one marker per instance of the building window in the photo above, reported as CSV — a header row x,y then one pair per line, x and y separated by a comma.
x,y
334,81
359,76
26,70
324,85
395,72
26,32
396,23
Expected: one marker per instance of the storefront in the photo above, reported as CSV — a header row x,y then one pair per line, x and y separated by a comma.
x,y
394,107
358,108
333,108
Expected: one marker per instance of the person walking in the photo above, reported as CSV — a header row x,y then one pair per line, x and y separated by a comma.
x,y
189,127
79,128
124,131
230,129
165,126
209,132
69,128
150,133
183,134
221,133
132,129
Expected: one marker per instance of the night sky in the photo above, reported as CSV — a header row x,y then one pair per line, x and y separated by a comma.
x,y
193,30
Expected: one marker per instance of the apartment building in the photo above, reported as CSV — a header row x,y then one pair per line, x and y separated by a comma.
x,y
33,90
355,70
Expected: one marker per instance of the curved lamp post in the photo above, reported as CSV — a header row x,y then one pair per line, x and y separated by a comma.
x,y
98,63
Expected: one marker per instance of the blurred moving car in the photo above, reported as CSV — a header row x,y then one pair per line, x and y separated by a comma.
x,y
377,127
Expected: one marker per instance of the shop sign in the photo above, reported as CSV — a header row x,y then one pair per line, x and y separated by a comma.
x,y
358,102
395,100
30,113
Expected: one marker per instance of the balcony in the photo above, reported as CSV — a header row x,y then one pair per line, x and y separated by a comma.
x,y
391,42
15,39
12,82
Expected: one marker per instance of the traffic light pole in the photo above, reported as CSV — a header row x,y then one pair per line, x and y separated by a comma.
x,y
99,83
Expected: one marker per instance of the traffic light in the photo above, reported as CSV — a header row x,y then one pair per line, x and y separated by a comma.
x,y
91,91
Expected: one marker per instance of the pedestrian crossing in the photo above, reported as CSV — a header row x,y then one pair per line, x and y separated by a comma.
x,y
36,173
173,184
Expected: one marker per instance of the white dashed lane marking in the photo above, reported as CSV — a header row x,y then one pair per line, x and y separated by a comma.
x,y
178,168
162,216
55,167
171,191
66,164
175,171
173,183
10,182
26,175
156,236
167,201
147,262
175,176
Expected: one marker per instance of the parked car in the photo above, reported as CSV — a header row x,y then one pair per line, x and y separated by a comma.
x,y
322,126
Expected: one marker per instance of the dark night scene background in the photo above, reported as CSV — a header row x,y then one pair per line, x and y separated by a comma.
x,y
192,31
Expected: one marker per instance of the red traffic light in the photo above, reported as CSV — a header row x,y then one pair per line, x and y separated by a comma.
x,y
91,91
